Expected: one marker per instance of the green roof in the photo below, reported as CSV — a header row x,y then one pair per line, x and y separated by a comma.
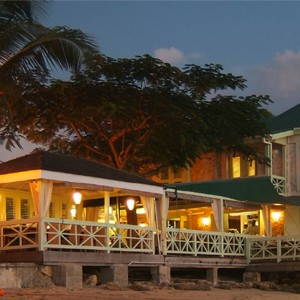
x,y
252,189
288,120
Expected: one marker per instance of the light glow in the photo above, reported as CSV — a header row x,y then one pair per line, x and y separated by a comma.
x,y
130,204
77,197
205,221
276,215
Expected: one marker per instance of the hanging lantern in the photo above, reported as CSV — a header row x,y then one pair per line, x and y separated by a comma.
x,y
77,197
130,204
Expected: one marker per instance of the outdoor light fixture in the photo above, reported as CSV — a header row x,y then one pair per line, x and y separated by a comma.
x,y
73,211
205,221
276,215
130,204
77,197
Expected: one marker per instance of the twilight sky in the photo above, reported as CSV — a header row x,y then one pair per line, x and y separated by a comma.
x,y
258,40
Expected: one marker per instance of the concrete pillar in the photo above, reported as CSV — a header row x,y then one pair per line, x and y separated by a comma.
x,y
252,277
161,274
15,275
116,273
212,276
67,275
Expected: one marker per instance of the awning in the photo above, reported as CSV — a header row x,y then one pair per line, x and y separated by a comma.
x,y
252,189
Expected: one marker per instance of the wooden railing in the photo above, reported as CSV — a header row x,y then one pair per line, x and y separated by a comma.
x,y
68,234
62,234
197,242
19,234
272,248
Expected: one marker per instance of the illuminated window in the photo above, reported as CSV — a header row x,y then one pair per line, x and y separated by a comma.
x,y
251,168
236,167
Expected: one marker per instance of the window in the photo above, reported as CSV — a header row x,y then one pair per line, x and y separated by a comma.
x,y
172,175
51,210
10,213
251,168
241,167
25,209
64,210
236,167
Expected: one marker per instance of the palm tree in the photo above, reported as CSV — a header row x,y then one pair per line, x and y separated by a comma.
x,y
27,48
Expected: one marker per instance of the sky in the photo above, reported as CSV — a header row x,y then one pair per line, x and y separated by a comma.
x,y
258,40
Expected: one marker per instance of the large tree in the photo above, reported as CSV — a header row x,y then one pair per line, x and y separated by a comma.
x,y
142,114
29,49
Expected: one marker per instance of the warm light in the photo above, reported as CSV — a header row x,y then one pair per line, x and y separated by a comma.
x,y
143,224
276,215
73,211
77,197
205,221
140,211
130,204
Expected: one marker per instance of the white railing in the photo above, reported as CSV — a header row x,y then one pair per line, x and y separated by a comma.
x,y
272,248
197,242
68,234
92,236
279,184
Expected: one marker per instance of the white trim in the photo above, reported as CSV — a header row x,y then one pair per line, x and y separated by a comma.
x,y
287,133
66,177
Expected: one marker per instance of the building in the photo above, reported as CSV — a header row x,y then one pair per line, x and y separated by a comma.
x,y
68,214
227,192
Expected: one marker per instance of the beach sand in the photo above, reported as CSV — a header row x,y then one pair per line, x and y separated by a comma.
x,y
61,293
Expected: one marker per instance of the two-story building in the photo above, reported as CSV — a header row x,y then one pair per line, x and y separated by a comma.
x,y
226,192
70,213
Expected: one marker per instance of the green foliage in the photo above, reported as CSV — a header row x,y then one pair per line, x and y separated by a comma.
x,y
141,114
30,50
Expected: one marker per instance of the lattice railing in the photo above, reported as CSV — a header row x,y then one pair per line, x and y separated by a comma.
x,y
204,243
82,235
68,234
276,248
279,184
19,234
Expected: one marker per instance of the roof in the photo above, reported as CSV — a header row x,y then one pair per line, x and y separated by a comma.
x,y
252,189
48,161
288,120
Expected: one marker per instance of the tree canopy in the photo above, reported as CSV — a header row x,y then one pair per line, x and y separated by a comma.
x,y
141,114
29,49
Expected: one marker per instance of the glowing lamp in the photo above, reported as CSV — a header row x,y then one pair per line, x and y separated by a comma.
x,y
276,215
73,211
130,204
205,221
77,197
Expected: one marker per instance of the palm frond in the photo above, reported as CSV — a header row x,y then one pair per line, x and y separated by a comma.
x,y
37,46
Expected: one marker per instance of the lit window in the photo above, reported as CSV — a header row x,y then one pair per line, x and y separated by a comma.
x,y
236,167
251,168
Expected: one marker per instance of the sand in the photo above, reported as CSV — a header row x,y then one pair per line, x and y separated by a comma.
x,y
60,293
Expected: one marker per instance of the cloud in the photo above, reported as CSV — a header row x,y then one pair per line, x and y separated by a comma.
x,y
171,55
280,80
176,56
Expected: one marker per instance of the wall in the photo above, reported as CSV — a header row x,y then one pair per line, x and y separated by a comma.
x,y
292,221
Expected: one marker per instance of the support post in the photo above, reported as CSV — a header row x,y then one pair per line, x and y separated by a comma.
x,y
212,276
116,273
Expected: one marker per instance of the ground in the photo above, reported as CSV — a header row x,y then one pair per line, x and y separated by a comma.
x,y
156,294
